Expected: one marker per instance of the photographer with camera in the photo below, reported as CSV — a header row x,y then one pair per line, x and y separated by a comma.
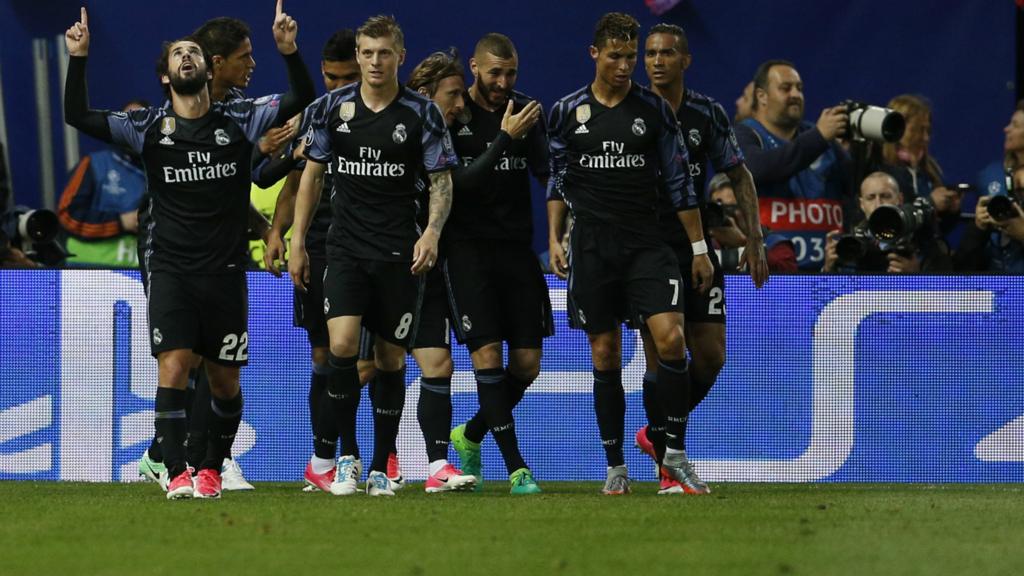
x,y
894,237
728,231
800,170
994,241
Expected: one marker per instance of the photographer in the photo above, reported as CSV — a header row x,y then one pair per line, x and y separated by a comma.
x,y
799,168
916,171
994,242
916,250
726,225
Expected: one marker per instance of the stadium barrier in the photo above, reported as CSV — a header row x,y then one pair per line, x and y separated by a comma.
x,y
828,378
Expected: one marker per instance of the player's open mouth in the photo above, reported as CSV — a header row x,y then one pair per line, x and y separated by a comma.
x,y
186,67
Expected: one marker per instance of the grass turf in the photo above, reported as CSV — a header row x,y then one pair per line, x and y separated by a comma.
x,y
71,528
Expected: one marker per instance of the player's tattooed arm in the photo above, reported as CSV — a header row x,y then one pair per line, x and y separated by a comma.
x,y
424,252
746,198
440,200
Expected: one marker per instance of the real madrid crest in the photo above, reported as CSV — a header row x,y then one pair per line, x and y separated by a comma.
x,y
694,137
583,113
221,137
167,126
399,134
639,127
347,111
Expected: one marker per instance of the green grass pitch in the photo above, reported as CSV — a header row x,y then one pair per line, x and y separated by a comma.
x,y
68,528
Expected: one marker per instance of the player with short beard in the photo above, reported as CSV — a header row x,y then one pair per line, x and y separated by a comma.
x,y
498,292
709,142
613,145
196,249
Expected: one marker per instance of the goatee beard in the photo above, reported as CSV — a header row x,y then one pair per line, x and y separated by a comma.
x,y
188,86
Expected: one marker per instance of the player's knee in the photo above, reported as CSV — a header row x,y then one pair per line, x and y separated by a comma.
x,y
389,357
710,357
367,370
605,353
320,356
436,365
671,345
525,368
344,347
487,355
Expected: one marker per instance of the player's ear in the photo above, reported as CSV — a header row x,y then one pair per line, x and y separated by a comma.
x,y
423,90
401,56
217,60
687,60
594,52
165,79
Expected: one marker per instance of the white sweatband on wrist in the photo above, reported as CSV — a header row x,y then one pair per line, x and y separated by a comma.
x,y
699,247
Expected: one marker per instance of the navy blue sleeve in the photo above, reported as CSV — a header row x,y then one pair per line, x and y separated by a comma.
x,y
674,162
782,163
723,150
438,151
537,153
318,138
556,148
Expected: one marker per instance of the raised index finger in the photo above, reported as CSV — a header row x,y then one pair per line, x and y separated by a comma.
x,y
280,7
85,17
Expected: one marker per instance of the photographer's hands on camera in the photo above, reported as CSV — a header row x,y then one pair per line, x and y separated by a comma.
x,y
832,122
1012,227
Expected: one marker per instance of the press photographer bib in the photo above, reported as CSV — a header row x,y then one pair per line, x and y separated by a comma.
x,y
805,222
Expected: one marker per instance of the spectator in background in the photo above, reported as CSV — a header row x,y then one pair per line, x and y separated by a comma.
x,y
99,206
989,243
744,104
800,170
915,170
731,238
927,253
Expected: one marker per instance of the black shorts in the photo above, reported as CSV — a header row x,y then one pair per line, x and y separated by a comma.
x,y
309,306
434,329
614,277
707,307
498,294
205,313
385,294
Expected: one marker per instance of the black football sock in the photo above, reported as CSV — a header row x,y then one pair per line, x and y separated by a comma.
x,y
199,419
610,407
674,395
338,408
225,416
388,400
494,403
434,412
515,388
655,414
171,428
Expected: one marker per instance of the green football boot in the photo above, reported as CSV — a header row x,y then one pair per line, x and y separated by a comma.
x,y
469,455
523,483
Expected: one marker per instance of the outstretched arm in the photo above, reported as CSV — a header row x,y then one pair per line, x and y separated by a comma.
x,y
300,85
76,96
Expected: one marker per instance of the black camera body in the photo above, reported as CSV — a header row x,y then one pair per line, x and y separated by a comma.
x,y
34,232
867,122
715,214
890,229
1001,208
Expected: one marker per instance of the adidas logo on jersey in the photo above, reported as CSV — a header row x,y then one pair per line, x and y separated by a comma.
x,y
465,131
167,141
582,129
343,127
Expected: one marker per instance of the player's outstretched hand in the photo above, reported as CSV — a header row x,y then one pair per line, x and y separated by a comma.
x,y
298,267
517,125
286,29
756,262
424,253
703,273
557,260
274,252
77,37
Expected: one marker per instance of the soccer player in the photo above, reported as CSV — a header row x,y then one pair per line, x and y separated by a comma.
x,y
339,68
381,140
227,43
497,286
613,143
196,155
709,141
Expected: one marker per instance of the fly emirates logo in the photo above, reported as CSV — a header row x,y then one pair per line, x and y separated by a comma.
x,y
369,164
200,169
612,156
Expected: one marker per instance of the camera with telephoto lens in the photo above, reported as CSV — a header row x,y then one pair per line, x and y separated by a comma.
x,y
867,122
34,232
1001,208
897,225
852,248
715,214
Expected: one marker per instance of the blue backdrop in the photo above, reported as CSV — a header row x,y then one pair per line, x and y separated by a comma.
x,y
867,379
961,56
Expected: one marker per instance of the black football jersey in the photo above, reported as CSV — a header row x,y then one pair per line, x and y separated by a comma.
x,y
198,181
710,142
609,164
500,207
377,158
